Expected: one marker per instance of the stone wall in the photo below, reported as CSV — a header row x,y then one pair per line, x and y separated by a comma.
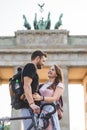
x,y
68,50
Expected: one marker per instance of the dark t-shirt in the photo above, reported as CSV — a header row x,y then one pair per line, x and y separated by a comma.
x,y
30,71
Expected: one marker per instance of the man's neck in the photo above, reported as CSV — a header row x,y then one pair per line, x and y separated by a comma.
x,y
33,62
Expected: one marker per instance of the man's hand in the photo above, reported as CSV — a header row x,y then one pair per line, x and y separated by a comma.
x,y
36,109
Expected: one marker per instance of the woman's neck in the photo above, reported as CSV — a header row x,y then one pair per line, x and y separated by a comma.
x,y
51,80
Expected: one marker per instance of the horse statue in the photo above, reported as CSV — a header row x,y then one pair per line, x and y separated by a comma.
x,y
26,24
35,23
48,22
41,24
59,23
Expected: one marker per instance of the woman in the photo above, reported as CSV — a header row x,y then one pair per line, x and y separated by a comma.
x,y
51,92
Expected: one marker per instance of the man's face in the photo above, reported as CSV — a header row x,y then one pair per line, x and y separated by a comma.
x,y
41,62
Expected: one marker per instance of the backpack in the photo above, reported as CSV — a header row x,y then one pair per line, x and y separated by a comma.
x,y
17,91
59,107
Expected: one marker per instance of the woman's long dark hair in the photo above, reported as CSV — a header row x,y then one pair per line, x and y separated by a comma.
x,y
58,78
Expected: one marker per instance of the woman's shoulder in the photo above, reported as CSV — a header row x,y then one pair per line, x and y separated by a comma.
x,y
60,85
42,84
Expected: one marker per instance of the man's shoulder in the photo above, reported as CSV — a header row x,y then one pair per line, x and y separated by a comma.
x,y
29,65
29,70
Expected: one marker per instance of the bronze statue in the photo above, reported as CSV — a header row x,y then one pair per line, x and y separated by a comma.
x,y
26,24
35,23
59,23
41,24
41,7
48,22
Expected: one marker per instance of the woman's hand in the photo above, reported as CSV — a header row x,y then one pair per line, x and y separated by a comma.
x,y
37,97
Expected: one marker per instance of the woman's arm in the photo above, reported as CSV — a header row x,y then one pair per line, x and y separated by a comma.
x,y
58,92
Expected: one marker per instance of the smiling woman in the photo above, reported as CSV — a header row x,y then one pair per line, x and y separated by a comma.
x,y
5,101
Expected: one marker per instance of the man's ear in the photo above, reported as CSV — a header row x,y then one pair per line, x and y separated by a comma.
x,y
38,57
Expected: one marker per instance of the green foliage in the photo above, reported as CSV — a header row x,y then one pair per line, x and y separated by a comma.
x,y
7,127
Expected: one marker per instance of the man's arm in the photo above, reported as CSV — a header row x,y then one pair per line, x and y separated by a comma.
x,y
28,94
27,89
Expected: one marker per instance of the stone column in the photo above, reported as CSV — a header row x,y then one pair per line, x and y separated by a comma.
x,y
65,123
16,124
85,99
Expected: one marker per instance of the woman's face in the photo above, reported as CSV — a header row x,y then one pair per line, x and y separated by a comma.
x,y
52,72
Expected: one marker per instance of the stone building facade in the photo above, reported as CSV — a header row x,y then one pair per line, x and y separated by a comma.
x,y
70,52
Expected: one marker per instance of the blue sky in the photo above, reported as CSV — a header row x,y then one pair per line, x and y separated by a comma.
x,y
74,14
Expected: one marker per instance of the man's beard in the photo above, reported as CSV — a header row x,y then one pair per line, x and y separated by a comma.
x,y
39,66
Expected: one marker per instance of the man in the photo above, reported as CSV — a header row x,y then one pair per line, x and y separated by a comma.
x,y
31,82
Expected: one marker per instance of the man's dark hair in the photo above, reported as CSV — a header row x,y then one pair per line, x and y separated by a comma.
x,y
38,53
